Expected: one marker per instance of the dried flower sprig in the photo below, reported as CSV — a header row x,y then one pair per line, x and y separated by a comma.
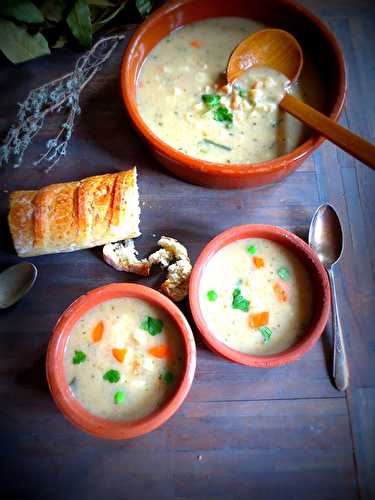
x,y
60,95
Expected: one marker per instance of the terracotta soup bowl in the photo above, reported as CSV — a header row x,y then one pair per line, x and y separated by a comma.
x,y
318,44
61,392
317,275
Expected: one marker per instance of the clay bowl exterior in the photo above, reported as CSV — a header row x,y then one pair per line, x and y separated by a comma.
x,y
63,396
317,274
318,44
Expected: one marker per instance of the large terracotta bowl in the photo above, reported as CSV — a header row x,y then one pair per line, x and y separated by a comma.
x,y
318,44
316,272
58,384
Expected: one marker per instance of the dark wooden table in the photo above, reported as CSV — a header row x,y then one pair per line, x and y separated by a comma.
x,y
284,433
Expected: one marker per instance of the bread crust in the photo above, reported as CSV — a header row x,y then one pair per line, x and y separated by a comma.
x,y
75,215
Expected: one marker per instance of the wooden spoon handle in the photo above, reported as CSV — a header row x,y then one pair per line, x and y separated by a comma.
x,y
342,137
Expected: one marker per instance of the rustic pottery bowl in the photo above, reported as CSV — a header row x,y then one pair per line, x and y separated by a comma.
x,y
318,277
317,41
63,396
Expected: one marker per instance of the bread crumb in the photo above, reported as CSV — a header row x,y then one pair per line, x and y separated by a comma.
x,y
123,257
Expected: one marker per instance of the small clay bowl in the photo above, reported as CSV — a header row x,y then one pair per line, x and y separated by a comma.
x,y
63,396
318,277
317,42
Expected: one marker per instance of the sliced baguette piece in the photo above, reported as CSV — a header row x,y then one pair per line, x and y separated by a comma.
x,y
75,215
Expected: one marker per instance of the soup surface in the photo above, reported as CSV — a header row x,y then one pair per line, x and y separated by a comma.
x,y
262,302
182,97
124,359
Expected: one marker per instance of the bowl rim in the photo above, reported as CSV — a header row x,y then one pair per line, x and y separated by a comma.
x,y
305,254
71,408
234,169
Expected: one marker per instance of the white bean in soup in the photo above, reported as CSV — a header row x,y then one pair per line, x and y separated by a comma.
x,y
262,303
181,97
124,359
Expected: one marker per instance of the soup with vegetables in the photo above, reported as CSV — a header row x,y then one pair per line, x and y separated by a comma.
x,y
124,359
263,301
182,96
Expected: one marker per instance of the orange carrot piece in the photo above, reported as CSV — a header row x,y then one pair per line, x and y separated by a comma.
x,y
258,262
160,351
259,319
97,332
281,294
119,354
196,44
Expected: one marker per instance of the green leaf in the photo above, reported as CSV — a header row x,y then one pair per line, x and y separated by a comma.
x,y
22,10
168,377
266,332
222,114
111,14
60,42
18,46
239,302
211,100
79,357
79,22
53,10
100,3
283,273
144,6
112,376
152,325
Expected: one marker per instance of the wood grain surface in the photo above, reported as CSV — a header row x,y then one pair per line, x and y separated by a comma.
x,y
242,433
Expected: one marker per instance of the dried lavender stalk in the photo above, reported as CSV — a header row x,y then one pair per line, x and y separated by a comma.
x,y
60,95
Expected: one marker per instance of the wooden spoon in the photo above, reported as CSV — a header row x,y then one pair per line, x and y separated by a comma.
x,y
279,50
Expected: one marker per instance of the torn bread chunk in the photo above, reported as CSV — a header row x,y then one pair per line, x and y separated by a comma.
x,y
163,257
176,286
174,247
123,257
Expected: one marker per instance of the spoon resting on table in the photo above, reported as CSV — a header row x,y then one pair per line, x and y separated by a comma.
x,y
326,238
279,50
15,282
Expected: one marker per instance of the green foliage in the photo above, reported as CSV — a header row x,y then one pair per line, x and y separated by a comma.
x,y
79,357
112,376
18,46
22,10
152,325
79,22
29,28
267,333
239,302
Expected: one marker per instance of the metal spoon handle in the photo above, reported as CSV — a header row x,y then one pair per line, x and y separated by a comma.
x,y
340,363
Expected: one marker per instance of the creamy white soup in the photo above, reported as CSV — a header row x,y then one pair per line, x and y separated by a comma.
x,y
124,359
182,96
256,296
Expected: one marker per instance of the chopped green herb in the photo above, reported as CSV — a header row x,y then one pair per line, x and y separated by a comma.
x,y
152,325
211,295
283,273
222,114
242,93
168,377
217,144
239,302
251,249
119,397
79,357
266,332
112,376
211,100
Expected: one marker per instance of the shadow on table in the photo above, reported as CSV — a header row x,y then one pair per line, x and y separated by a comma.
x,y
34,376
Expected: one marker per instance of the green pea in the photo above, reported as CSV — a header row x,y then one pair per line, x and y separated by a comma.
x,y
283,273
119,397
251,249
211,295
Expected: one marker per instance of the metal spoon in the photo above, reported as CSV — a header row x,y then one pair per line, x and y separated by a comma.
x,y
15,282
326,238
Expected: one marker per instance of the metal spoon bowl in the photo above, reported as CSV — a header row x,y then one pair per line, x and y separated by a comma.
x,y
15,282
326,238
